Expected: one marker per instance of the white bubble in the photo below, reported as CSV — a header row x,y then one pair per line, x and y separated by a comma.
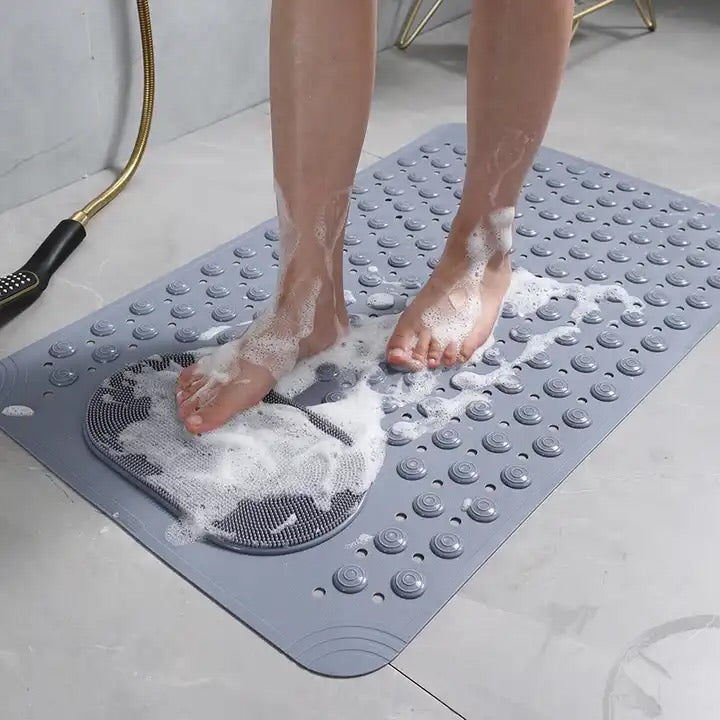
x,y
18,411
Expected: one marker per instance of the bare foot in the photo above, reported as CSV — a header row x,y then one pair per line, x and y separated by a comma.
x,y
454,314
238,375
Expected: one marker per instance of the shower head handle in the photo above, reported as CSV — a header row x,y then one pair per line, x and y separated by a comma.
x,y
23,287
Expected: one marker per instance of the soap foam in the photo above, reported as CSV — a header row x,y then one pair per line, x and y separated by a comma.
x,y
289,522
528,292
359,541
266,451
380,301
275,451
212,332
18,411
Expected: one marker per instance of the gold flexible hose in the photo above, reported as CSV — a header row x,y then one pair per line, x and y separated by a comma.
x,y
108,195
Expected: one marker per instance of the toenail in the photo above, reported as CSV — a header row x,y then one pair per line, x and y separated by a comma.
x,y
194,420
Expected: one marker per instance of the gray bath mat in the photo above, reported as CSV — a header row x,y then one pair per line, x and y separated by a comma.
x,y
345,595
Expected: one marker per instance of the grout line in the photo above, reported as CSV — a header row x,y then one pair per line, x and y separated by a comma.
x,y
372,154
427,692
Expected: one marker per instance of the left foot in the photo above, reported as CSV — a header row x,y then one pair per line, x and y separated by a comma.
x,y
236,376
456,311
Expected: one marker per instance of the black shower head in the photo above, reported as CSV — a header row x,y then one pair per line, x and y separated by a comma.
x,y
21,288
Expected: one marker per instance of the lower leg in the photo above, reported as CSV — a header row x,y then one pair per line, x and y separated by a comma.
x,y
321,77
516,56
322,56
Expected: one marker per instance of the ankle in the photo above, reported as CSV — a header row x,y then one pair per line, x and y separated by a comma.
x,y
493,228
311,303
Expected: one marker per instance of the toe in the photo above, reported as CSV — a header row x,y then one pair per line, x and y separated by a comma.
x,y
205,420
213,412
420,351
187,406
468,349
197,396
478,337
187,377
398,348
185,409
434,353
185,392
193,424
450,355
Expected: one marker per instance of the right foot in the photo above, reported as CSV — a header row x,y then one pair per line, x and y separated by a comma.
x,y
455,312
238,375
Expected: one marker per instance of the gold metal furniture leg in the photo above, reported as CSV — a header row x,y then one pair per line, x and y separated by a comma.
x,y
575,26
644,7
647,13
408,34
411,28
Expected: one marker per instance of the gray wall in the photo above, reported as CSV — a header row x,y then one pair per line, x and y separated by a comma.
x,y
70,79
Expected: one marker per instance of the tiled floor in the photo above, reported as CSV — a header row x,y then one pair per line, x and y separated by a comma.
x,y
604,605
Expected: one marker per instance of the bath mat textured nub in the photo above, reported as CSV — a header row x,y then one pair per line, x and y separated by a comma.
x,y
380,569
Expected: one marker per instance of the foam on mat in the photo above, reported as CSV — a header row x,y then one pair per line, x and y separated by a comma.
x,y
270,450
18,411
274,451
